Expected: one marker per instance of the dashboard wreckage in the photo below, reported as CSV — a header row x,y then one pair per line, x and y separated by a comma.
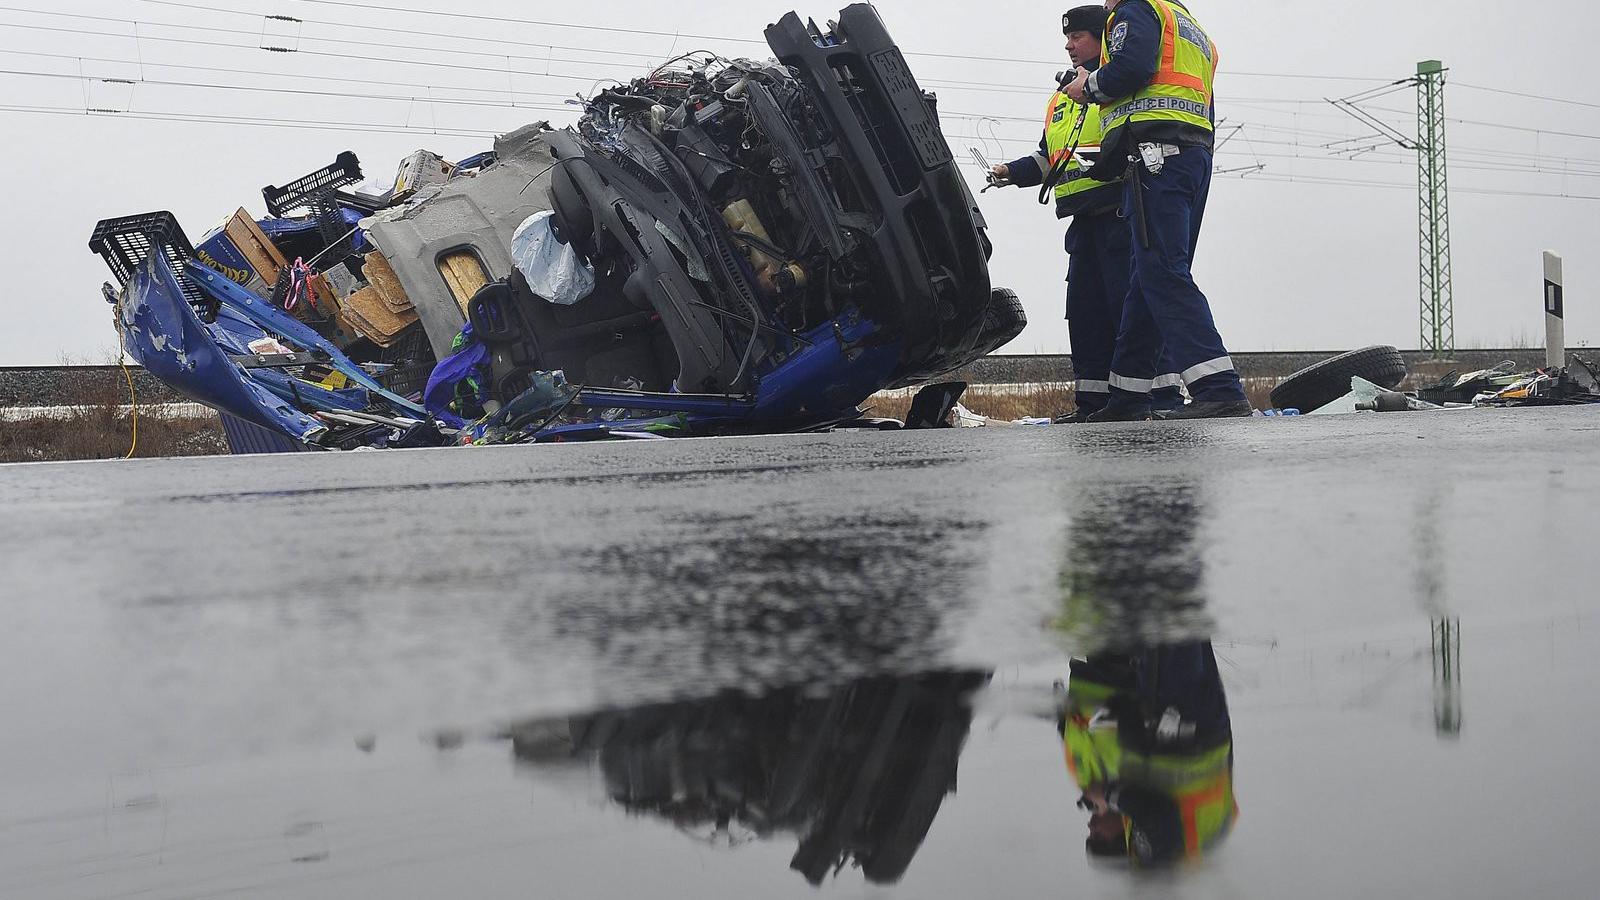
x,y
718,246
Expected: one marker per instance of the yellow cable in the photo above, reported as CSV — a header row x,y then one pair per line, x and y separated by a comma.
x,y
122,360
133,402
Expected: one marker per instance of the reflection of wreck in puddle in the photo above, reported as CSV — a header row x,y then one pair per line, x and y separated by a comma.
x,y
858,772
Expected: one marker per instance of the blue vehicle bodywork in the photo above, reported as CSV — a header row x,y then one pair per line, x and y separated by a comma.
x,y
162,332
832,369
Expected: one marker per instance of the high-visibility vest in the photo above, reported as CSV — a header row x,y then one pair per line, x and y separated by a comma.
x,y
1093,755
1202,787
1181,89
1061,119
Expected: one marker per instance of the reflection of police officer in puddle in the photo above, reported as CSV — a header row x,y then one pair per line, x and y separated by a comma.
x,y
1149,742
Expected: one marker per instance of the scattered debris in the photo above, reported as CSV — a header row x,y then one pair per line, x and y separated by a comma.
x,y
1394,401
1455,388
717,246
1318,385
1575,383
934,405
961,417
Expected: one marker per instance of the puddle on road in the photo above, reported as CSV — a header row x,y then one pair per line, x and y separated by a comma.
x,y
1437,761
1156,682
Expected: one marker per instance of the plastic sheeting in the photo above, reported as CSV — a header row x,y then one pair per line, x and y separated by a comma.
x,y
550,265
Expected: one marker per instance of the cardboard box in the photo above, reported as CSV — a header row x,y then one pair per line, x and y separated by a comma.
x,y
417,171
340,281
239,250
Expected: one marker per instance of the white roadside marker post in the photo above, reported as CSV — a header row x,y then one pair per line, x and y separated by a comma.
x,y
1555,337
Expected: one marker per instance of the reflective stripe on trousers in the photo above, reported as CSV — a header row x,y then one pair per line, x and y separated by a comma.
x,y
1165,311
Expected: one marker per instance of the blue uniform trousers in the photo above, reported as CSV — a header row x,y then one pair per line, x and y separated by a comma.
x,y
1165,311
1099,268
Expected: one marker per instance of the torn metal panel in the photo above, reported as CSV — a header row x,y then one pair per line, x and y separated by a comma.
x,y
479,213
161,331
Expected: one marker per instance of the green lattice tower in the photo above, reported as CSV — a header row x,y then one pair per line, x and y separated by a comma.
x,y
1433,201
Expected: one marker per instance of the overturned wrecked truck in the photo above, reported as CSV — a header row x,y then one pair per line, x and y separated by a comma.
x,y
718,246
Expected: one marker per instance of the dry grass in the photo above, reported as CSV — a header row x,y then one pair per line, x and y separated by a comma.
x,y
99,427
996,401
1259,391
105,434
1009,402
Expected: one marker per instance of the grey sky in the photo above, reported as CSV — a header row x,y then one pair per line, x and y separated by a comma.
x,y
1288,259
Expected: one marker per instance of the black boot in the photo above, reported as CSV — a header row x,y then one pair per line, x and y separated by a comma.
x,y
1208,409
1121,414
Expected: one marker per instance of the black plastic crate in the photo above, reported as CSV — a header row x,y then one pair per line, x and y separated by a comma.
x,y
410,345
413,360
309,192
125,243
407,379
317,195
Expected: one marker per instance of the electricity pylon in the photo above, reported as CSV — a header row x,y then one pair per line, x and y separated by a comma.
x,y
1435,297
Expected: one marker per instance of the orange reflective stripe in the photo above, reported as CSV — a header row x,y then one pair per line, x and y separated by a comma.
x,y
1166,73
1189,810
1056,100
1169,38
1181,80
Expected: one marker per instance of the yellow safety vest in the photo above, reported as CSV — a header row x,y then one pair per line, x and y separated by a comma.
x,y
1060,119
1093,755
1202,787
1181,89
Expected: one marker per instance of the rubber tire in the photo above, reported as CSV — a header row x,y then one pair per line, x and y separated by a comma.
x,y
1003,320
1317,385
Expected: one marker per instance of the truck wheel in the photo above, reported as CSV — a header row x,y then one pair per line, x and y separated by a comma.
x,y
1318,385
1003,320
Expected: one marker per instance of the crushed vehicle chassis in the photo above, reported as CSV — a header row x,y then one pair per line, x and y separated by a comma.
x,y
718,246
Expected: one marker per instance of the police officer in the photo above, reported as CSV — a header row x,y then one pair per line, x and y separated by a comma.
x,y
1154,89
1098,244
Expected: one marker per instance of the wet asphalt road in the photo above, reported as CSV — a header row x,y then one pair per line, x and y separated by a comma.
x,y
732,667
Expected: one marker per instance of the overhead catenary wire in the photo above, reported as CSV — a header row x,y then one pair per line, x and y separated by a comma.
x,y
353,42
257,44
1396,185
512,71
256,36
1498,166
223,70
1525,95
484,17
1566,162
251,121
402,98
368,27
499,70
1536,167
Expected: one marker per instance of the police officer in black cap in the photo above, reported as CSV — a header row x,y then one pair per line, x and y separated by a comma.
x,y
1099,253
